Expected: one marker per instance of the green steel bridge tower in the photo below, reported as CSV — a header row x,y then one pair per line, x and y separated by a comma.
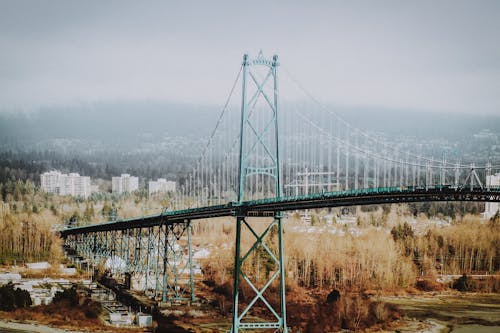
x,y
265,137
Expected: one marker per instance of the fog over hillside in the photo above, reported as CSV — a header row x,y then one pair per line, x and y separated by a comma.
x,y
122,125
109,123
154,140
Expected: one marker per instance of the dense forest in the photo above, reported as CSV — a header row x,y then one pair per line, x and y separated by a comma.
x,y
104,165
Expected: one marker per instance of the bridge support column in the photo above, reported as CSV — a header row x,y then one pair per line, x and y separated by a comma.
x,y
125,250
95,249
150,260
138,256
122,253
160,259
259,267
113,255
178,271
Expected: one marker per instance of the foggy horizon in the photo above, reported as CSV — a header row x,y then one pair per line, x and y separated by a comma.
x,y
412,57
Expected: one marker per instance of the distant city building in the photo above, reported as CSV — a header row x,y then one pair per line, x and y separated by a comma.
x,y
161,186
124,184
50,181
491,208
486,135
65,184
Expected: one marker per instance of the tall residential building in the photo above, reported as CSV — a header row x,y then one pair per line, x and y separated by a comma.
x,y
64,184
491,208
50,181
125,183
161,186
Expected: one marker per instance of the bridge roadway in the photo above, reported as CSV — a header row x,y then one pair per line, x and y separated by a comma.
x,y
268,207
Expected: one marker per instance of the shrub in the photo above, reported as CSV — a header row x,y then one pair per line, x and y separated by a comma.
x,y
463,283
334,296
22,298
67,295
91,313
7,298
351,312
11,299
428,285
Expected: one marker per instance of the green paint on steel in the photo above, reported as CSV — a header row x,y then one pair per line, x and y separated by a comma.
x,y
240,319
175,264
231,208
247,147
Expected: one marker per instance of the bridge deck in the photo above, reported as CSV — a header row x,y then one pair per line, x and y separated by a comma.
x,y
267,207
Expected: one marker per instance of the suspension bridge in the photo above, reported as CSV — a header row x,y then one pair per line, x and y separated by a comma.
x,y
262,159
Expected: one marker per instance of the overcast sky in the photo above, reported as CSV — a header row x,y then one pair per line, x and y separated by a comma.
x,y
416,55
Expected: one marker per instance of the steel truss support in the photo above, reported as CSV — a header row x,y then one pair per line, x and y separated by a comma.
x,y
159,258
176,264
150,259
114,255
138,260
161,251
123,251
249,269
99,247
143,269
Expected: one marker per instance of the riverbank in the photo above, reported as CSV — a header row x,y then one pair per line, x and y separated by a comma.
x,y
412,325
456,313
32,327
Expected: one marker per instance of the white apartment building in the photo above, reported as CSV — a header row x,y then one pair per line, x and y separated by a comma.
x,y
491,208
65,184
124,184
161,186
50,181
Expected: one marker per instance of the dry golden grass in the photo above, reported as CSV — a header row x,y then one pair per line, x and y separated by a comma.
x,y
370,261
468,246
29,236
326,260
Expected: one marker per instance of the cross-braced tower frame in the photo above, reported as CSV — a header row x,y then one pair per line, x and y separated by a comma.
x,y
261,266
